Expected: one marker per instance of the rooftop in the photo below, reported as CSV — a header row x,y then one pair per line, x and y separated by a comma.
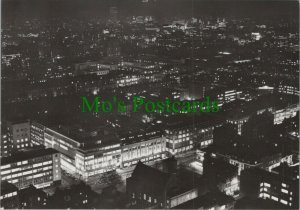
x,y
7,187
21,156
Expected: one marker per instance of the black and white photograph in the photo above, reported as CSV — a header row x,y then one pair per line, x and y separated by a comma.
x,y
149,104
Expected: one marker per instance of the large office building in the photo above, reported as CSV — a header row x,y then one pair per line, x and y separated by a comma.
x,y
289,89
40,168
229,96
89,148
184,133
18,134
89,152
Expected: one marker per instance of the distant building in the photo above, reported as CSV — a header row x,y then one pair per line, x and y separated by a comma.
x,y
5,144
40,168
228,96
37,133
285,113
9,197
113,48
256,36
142,147
127,80
87,153
238,119
96,68
293,90
7,59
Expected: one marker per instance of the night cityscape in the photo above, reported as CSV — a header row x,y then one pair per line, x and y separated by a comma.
x,y
241,153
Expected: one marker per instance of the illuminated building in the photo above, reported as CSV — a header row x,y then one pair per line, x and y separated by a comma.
x,y
288,89
113,48
284,113
86,153
96,67
228,96
113,13
7,59
238,119
149,146
279,187
127,80
200,158
256,36
40,168
184,133
178,140
18,133
5,145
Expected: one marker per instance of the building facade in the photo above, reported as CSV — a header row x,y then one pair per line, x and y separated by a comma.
x,y
18,134
285,113
40,168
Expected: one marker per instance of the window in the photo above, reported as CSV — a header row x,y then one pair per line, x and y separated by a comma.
x,y
274,198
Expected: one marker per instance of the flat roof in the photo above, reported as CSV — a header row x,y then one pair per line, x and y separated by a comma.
x,y
21,156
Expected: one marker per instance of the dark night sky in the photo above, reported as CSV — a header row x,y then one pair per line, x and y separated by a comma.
x,y
99,8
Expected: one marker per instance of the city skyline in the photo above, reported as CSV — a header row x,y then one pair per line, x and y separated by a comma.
x,y
132,104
